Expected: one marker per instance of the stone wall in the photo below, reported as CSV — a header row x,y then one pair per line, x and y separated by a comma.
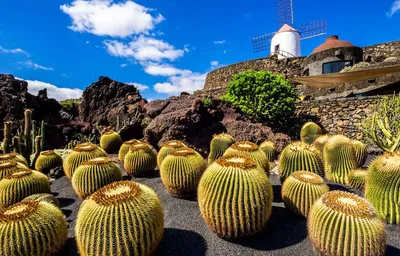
x,y
379,52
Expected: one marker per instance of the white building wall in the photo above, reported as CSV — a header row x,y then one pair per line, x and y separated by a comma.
x,y
289,44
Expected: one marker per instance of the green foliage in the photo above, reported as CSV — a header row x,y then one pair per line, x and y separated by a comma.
x,y
68,104
207,101
266,97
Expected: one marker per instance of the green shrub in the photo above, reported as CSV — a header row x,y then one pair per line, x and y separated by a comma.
x,y
68,104
207,101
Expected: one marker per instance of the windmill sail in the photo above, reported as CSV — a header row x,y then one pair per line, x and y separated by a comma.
x,y
284,10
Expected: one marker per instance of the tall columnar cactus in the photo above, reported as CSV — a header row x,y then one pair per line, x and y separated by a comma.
x,y
140,160
110,141
123,150
269,149
7,138
81,153
13,157
93,174
20,184
219,144
342,223
300,191
32,228
135,213
235,197
251,150
181,171
167,148
309,132
299,156
319,142
361,152
356,179
43,197
48,160
382,187
27,152
9,167
340,158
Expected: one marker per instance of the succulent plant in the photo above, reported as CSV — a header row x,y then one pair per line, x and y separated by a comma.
x,y
181,171
251,150
122,218
123,150
48,160
309,132
43,197
235,197
340,158
81,153
361,152
342,223
140,160
319,142
269,149
382,187
300,191
299,156
110,141
32,228
9,167
13,157
219,144
167,148
357,178
93,174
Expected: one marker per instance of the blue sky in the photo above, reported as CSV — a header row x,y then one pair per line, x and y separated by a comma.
x,y
163,47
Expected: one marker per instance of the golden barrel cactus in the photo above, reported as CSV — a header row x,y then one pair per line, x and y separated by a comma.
x,y
13,157
357,178
319,142
9,167
361,152
219,144
140,160
43,197
309,132
48,160
110,141
123,150
167,148
269,149
251,150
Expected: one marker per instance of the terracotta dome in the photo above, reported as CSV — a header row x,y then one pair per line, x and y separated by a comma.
x,y
332,42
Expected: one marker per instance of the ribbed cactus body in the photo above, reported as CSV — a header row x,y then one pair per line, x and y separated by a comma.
x,y
123,150
9,167
300,191
299,156
43,197
20,184
235,197
309,132
356,179
140,160
122,218
382,187
251,150
32,228
340,159
181,171
342,223
13,157
361,152
81,153
47,161
111,142
219,144
93,174
269,149
167,148
319,142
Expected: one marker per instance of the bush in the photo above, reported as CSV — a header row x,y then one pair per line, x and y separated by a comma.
x,y
266,97
69,104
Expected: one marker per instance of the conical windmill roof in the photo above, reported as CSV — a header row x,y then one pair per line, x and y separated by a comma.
x,y
286,28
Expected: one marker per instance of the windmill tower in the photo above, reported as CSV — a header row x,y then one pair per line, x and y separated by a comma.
x,y
285,43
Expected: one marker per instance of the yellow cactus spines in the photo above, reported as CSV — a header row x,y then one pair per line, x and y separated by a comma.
x,y
357,178
13,157
382,187
111,142
319,142
167,148
299,156
269,149
20,184
219,144
300,191
93,174
123,150
140,160
81,153
340,158
251,150
309,132
122,218
47,161
9,167
235,197
342,223
32,228
181,171
361,152
43,197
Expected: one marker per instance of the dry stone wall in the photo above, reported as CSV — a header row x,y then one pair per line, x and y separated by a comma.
x,y
379,52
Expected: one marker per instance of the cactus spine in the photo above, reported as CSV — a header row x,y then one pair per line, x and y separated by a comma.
x,y
219,144
125,148
7,168
48,160
309,132
43,197
7,137
122,218
110,141
13,157
167,148
360,150
356,179
269,149
342,223
140,160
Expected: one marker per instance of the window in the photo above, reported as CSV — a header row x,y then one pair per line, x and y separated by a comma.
x,y
277,48
336,66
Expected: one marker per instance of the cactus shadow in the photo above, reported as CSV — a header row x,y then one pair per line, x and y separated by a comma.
x,y
66,212
178,242
336,186
65,201
392,251
277,193
70,248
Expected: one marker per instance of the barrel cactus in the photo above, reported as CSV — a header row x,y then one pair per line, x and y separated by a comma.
x,y
251,150
123,150
319,142
300,191
181,171
43,197
167,148
357,178
219,144
360,149
269,149
342,223
93,174
235,197
48,160
32,228
299,156
340,158
13,157
140,160
382,187
110,141
9,167
122,218
309,132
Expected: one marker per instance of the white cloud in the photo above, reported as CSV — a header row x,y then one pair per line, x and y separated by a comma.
x,y
224,51
16,50
214,63
31,64
140,87
220,42
156,69
187,82
106,18
123,65
395,7
87,42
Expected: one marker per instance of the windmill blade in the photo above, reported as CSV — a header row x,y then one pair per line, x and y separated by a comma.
x,y
262,43
313,29
284,11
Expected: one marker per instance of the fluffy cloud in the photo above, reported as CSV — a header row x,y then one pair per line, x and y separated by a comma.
x,y
31,64
395,7
156,69
123,65
214,63
140,87
220,42
105,18
187,82
16,50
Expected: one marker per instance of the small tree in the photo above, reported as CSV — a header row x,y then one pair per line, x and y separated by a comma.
x,y
266,97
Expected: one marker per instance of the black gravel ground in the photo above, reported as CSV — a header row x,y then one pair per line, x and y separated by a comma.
x,y
187,234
